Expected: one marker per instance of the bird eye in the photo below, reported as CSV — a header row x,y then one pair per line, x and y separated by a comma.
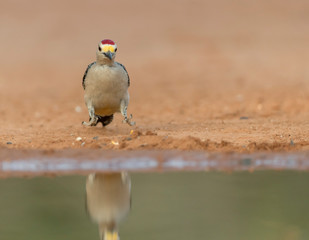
x,y
115,49
100,48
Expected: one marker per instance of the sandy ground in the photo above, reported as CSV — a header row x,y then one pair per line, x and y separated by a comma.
x,y
205,75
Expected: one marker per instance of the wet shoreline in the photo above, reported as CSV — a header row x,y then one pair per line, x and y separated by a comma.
x,y
69,162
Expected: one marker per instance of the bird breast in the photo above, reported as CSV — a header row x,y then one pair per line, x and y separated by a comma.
x,y
108,199
105,87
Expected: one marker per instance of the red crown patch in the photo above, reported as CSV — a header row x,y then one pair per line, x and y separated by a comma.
x,y
107,41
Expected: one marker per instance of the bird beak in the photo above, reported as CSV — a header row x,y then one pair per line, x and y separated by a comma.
x,y
109,55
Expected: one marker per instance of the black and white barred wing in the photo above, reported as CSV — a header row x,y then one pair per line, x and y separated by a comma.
x,y
85,74
125,71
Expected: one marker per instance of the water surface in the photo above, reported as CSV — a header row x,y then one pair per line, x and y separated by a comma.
x,y
200,205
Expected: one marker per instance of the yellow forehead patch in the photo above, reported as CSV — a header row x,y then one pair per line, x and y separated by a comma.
x,y
107,48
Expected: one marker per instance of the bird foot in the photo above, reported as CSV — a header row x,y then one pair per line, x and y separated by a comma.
x,y
88,123
128,120
92,122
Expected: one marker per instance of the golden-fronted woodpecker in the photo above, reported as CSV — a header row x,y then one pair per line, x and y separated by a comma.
x,y
108,201
106,84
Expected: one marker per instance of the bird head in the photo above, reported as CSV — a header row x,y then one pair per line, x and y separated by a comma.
x,y
106,50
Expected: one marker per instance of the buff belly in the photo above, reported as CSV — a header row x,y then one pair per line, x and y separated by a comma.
x,y
105,111
106,88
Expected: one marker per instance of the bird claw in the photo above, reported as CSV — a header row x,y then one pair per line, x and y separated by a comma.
x,y
87,123
92,122
128,120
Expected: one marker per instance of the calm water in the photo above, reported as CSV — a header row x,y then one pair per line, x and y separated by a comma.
x,y
182,206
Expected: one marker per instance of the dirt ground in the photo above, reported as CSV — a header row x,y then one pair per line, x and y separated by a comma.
x,y
205,75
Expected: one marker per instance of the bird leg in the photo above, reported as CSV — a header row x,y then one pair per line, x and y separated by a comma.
x,y
93,121
127,119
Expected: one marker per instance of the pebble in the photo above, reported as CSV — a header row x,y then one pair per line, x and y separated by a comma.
x,y
78,109
9,143
78,139
95,138
243,118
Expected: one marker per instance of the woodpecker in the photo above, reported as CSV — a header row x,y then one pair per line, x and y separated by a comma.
x,y
108,201
106,84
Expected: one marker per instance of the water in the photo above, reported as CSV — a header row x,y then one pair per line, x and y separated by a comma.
x,y
178,205
21,163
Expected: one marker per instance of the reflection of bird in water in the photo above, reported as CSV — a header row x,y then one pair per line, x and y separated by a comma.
x,y
108,201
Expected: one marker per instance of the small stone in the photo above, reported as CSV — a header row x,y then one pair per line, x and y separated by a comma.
x,y
9,143
136,134
78,139
95,138
243,118
292,142
78,109
128,138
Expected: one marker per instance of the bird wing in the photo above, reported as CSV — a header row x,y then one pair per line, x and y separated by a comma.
x,y
85,74
125,71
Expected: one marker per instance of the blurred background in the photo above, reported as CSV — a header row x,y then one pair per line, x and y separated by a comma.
x,y
202,51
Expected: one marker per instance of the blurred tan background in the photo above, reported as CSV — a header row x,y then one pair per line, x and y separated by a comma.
x,y
196,68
